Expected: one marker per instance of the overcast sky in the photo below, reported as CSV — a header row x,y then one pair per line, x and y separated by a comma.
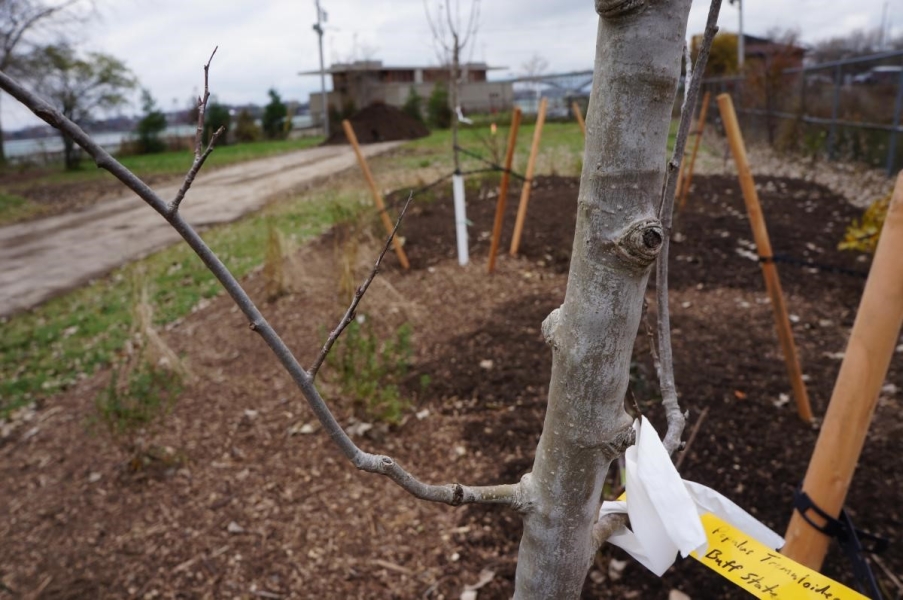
x,y
267,42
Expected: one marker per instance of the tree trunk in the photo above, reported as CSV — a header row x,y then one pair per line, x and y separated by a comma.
x,y
2,144
453,85
71,155
638,57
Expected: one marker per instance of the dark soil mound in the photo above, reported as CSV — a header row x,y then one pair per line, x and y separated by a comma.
x,y
380,123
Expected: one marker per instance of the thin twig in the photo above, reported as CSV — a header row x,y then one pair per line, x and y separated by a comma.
x,y
454,494
890,574
692,438
358,295
199,158
202,107
676,419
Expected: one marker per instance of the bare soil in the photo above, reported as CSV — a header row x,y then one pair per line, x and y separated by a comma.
x,y
250,506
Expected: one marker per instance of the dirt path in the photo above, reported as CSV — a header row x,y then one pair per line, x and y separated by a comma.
x,y
43,258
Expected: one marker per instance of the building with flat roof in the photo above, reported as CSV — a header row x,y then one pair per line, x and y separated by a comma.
x,y
362,83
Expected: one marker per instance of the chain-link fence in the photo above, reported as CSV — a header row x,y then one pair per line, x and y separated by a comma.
x,y
846,109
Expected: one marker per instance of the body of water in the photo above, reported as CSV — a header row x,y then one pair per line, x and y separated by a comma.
x,y
110,140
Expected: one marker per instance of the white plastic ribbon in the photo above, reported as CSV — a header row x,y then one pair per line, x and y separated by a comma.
x,y
664,509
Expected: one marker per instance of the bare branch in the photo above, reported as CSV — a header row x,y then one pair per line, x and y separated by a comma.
x,y
199,158
358,295
676,419
202,107
692,438
195,168
454,494
607,526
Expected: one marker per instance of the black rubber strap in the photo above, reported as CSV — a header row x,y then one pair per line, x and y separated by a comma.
x,y
849,538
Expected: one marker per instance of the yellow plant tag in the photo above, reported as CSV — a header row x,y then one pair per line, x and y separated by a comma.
x,y
761,571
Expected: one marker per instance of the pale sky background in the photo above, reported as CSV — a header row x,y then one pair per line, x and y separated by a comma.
x,y
267,42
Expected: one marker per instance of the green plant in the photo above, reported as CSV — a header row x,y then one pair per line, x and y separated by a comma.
x,y
246,130
150,126
413,106
371,371
217,116
144,384
863,234
439,114
135,400
274,115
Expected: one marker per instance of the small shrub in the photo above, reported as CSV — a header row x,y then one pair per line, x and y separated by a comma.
x,y
347,230
274,117
862,234
371,371
413,106
274,273
151,125
439,114
144,386
246,129
217,116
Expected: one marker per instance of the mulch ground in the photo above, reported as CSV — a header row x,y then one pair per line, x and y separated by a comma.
x,y
254,504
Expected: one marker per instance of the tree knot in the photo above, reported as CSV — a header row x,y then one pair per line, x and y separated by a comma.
x,y
641,242
550,326
617,9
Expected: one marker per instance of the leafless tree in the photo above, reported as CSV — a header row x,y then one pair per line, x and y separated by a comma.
x,y
623,228
451,35
532,69
25,23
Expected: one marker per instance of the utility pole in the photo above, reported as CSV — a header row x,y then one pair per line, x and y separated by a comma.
x,y
321,18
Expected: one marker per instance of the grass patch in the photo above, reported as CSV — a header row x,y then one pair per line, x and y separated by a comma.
x,y
177,163
67,339
13,207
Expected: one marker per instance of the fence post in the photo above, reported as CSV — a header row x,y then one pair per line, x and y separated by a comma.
x,y
892,145
835,108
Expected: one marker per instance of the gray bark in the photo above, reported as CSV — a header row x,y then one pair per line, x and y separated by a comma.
x,y
638,55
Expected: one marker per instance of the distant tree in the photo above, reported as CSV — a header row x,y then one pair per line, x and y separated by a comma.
x,y
723,55
151,125
451,35
274,115
20,22
533,68
217,116
246,128
765,78
860,42
79,86
439,113
413,106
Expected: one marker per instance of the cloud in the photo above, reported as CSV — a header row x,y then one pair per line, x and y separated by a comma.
x,y
264,44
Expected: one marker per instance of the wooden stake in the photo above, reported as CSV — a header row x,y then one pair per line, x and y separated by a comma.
x,y
577,113
766,257
862,372
377,197
503,190
528,184
687,178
